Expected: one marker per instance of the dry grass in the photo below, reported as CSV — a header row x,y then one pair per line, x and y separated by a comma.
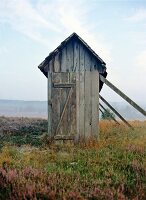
x,y
112,168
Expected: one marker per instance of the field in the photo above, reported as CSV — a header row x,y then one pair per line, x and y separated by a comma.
x,y
33,168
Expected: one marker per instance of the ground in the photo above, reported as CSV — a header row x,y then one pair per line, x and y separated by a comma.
x,y
33,168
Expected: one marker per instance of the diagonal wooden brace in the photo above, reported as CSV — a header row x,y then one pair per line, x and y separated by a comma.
x,y
111,115
119,92
101,110
118,114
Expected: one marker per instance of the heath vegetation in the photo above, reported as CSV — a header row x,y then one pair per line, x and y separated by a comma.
x,y
112,168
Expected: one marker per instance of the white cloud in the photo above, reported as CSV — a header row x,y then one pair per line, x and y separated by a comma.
x,y
57,18
73,19
22,17
141,60
139,15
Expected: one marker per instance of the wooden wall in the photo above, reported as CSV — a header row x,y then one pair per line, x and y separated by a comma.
x,y
74,63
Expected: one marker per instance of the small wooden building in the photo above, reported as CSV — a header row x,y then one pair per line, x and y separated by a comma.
x,y
73,70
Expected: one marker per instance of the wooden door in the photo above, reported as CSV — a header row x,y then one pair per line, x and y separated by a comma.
x,y
63,103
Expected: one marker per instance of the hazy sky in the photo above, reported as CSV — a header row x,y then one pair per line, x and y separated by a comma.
x,y
30,29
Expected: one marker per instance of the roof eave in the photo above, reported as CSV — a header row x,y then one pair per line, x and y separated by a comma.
x,y
52,54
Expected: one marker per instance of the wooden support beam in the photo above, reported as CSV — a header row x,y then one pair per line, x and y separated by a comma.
x,y
101,111
111,115
63,85
119,92
118,114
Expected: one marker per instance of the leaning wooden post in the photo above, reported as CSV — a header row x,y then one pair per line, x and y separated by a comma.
x,y
118,114
124,96
109,113
101,110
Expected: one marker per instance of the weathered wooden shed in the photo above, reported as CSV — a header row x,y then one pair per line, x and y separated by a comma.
x,y
73,70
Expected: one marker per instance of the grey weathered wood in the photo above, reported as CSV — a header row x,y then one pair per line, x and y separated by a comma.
x,y
64,94
88,107
50,100
57,63
69,57
67,77
63,60
95,100
63,85
77,68
66,65
119,92
82,93
64,109
56,102
73,55
116,112
73,113
56,77
111,115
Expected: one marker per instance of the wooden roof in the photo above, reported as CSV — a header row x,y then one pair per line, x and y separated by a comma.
x,y
53,53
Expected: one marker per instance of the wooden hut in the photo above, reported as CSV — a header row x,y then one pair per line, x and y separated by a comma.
x,y
73,70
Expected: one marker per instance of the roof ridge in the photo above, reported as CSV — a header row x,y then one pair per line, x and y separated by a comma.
x,y
74,34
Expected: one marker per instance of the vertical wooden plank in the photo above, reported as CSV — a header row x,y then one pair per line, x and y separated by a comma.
x,y
53,99
69,68
82,93
73,113
57,63
67,113
63,91
73,105
50,100
88,111
56,93
77,69
63,60
69,57
95,99
55,102
72,69
64,94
